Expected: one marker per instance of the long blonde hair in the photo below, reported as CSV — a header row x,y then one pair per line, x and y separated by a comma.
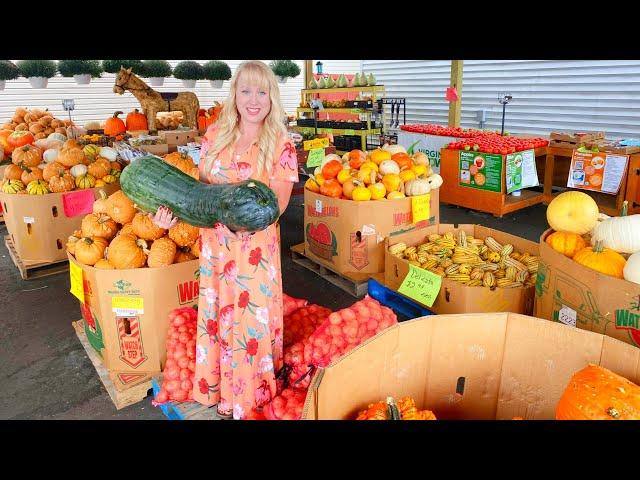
x,y
273,128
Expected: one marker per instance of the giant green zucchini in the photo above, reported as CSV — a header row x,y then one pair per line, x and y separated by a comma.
x,y
248,206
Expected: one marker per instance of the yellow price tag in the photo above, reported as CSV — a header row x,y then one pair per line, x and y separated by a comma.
x,y
316,143
128,303
420,207
77,286
421,285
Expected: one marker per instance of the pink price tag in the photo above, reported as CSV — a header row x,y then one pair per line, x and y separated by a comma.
x,y
77,203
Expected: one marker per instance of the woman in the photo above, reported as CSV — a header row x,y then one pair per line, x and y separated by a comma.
x,y
239,343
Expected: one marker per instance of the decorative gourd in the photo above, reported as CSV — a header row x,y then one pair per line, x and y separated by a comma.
x,y
31,174
183,254
183,234
378,191
391,182
85,181
631,270
417,186
29,156
621,234
596,393
104,264
114,126
574,212
109,153
331,188
97,170
12,172
72,240
70,155
435,181
420,158
568,244
100,205
62,182
36,128
91,151
407,175
331,169
12,186
136,121
78,170
357,158
38,187
107,179
344,175
52,170
99,225
100,183
361,193
245,206
127,251
116,166
162,253
120,208
389,166
403,160
378,156
143,227
601,260
312,185
395,195
57,136
348,187
88,250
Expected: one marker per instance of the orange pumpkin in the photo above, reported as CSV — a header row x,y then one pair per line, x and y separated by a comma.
x,y
30,174
331,188
357,158
51,170
97,169
374,411
127,251
99,225
566,243
120,208
13,172
89,250
183,254
143,227
27,155
403,160
114,126
183,234
115,166
331,169
184,163
162,253
600,259
104,264
71,154
61,183
136,121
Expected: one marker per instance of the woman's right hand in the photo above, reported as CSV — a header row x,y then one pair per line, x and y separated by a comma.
x,y
164,218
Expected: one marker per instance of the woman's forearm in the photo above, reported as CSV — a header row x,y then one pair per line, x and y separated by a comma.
x,y
283,191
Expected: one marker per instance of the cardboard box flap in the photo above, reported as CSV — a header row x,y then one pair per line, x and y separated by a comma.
x,y
622,358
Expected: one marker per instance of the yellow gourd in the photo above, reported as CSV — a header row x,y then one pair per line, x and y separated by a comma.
x,y
378,191
361,194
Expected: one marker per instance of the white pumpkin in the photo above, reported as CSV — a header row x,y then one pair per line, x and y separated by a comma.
x,y
631,270
109,153
435,181
328,158
345,157
50,155
417,186
78,170
389,166
393,149
621,234
57,136
42,143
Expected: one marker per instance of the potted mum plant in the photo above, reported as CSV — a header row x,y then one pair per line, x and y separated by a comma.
x,y
38,71
8,71
113,66
189,72
216,72
284,69
82,71
156,71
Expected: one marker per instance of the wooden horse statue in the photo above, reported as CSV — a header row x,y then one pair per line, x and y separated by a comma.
x,y
153,102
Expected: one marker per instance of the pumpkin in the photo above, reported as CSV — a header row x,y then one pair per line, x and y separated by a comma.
x,y
601,260
104,264
378,191
12,186
99,225
421,158
183,234
357,158
61,183
85,181
183,254
116,166
120,208
143,227
52,170
107,179
127,251
114,126
631,270
126,228
348,187
406,175
88,250
568,244
12,172
403,160
417,186
331,169
72,240
22,127
27,155
98,170
78,170
100,204
374,411
57,136
136,121
37,187
20,138
36,128
100,183
91,151
70,155
596,393
195,248
31,174
109,153
435,181
621,234
395,195
391,182
389,166
162,253
573,212
50,155
378,156
184,163
361,193
331,188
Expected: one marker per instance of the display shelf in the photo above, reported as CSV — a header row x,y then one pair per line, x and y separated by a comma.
x,y
355,111
372,88
339,131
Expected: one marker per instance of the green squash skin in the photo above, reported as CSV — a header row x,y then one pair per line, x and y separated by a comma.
x,y
248,206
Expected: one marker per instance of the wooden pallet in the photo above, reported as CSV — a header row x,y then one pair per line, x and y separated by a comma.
x,y
31,270
587,137
353,284
132,395
184,410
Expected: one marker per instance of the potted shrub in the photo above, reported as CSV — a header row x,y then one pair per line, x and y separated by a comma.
x,y
37,71
189,72
8,71
156,71
284,69
216,72
113,66
82,71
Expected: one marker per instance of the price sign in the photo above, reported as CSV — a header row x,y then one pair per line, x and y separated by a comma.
x,y
316,143
421,285
567,316
420,207
75,276
315,158
127,306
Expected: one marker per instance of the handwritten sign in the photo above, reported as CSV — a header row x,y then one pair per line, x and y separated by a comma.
x,y
77,203
315,158
316,143
421,285
420,207
127,306
75,276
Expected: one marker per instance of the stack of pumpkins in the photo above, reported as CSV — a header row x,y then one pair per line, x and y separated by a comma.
x,y
577,222
40,123
63,166
385,173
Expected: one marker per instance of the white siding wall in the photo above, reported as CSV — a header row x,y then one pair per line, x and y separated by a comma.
x,y
547,95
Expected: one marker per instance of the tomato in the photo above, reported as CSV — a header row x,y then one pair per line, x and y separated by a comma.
x,y
179,320
183,362
184,338
179,352
185,374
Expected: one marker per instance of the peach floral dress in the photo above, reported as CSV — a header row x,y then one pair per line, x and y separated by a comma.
x,y
239,345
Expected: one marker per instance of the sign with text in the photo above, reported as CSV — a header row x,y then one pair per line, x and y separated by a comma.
x,y
481,170
421,285
420,208
597,171
521,171
316,143
77,286
315,158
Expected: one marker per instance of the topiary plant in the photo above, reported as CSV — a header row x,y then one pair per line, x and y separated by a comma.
x,y
156,69
69,68
188,70
285,68
216,70
113,66
37,68
8,70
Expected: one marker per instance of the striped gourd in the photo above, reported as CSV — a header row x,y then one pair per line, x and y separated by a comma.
x,y
458,277
397,248
494,257
493,245
450,270
506,250
510,273
510,262
473,283
488,280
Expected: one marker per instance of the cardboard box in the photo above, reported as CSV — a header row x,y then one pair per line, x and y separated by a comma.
x,y
38,225
137,133
471,366
348,236
575,295
455,297
126,315
177,137
159,149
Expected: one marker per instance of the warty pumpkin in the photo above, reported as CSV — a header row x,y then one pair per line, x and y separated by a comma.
x,y
30,174
99,225
88,250
70,155
183,254
162,253
52,170
566,243
120,208
195,247
12,172
143,227
98,170
61,183
28,155
104,264
183,234
601,260
127,251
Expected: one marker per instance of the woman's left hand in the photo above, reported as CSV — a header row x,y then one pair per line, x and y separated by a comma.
x,y
164,218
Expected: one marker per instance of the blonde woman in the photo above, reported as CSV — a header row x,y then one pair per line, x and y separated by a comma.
x,y
239,344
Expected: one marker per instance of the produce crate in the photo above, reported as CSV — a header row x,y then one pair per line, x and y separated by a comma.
x,y
395,301
33,270
184,410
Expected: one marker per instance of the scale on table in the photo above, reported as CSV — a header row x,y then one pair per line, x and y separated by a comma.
x,y
69,104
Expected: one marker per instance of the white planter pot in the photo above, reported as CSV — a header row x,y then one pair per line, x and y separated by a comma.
x,y
216,83
282,79
2,82
39,82
83,79
189,83
156,81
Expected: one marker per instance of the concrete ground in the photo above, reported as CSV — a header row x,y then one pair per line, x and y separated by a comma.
x,y
45,372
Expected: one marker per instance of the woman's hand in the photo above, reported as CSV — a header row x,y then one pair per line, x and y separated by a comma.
x,y
164,218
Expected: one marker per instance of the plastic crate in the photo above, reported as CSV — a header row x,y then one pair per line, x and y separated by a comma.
x,y
395,301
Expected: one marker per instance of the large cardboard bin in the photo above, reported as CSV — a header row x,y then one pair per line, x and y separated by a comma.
x,y
348,236
472,366
575,295
454,297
